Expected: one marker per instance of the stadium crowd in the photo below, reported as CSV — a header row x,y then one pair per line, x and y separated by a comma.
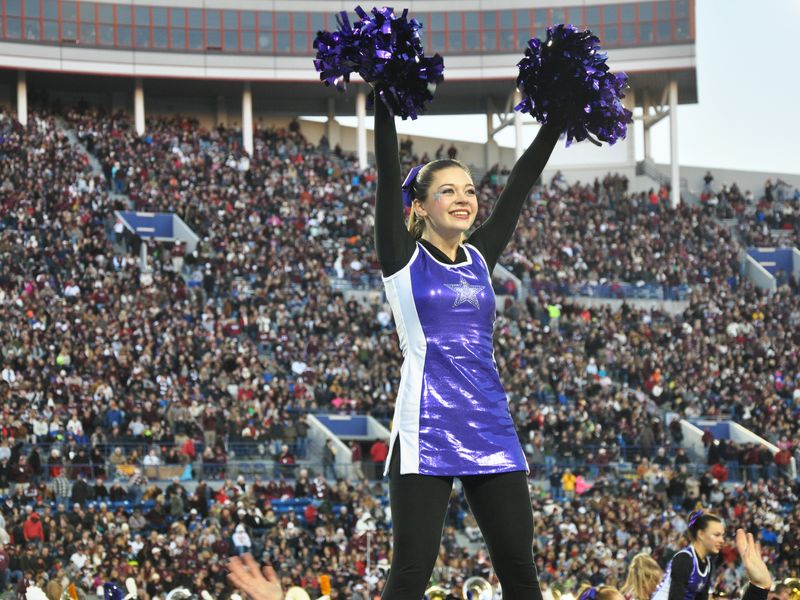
x,y
316,528
770,219
219,353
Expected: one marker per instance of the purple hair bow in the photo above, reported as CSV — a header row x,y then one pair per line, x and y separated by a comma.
x,y
408,185
695,515
589,594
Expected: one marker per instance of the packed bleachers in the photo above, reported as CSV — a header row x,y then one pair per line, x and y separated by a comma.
x,y
106,377
769,217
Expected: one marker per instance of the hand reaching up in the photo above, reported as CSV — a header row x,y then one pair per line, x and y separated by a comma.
x,y
247,577
754,566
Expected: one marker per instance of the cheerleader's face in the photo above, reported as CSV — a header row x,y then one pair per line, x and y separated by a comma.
x,y
712,537
452,202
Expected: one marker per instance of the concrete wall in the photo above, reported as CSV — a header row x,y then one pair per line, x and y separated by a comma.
x,y
746,180
758,274
693,441
588,174
671,307
796,263
742,435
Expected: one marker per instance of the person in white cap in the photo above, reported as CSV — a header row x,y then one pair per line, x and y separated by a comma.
x,y
241,539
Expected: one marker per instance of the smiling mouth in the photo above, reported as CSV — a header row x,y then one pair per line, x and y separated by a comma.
x,y
460,214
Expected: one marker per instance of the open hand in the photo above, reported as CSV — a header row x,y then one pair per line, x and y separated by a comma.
x,y
246,576
750,551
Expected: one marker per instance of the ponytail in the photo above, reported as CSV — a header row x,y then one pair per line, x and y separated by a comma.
x,y
416,226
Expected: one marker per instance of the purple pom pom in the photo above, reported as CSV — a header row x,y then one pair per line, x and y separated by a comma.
x,y
386,51
567,76
112,591
337,55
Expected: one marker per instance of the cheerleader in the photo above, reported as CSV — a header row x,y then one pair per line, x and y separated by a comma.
x,y
689,573
451,415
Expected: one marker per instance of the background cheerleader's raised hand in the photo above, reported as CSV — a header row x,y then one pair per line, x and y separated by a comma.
x,y
247,577
750,551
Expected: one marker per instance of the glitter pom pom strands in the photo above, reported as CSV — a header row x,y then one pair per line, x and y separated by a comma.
x,y
568,75
385,50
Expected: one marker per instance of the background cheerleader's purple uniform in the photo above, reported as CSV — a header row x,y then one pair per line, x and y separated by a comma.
x,y
445,317
697,579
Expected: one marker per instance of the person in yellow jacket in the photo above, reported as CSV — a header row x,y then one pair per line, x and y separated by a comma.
x,y
568,483
554,314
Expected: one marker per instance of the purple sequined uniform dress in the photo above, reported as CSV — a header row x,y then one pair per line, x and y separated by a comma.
x,y
698,583
451,415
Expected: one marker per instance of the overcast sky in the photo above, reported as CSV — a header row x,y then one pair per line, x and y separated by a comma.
x,y
748,113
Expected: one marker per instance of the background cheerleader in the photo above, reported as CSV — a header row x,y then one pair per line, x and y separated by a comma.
x,y
689,573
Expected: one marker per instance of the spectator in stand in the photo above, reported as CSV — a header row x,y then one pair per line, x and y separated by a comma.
x,y
378,453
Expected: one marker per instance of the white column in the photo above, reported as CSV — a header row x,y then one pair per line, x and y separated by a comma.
x,y
361,132
247,118
629,102
143,256
519,143
22,98
487,149
673,143
646,126
138,105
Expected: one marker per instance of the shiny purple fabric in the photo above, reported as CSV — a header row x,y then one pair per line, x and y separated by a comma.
x,y
465,426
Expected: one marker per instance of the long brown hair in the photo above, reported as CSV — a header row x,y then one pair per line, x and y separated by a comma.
x,y
422,185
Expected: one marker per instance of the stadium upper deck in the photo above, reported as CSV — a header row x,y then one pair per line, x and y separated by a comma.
x,y
196,47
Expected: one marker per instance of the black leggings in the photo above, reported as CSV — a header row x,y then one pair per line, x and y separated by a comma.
x,y
502,507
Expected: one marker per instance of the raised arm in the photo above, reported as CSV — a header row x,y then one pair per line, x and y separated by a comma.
x,y
493,235
394,245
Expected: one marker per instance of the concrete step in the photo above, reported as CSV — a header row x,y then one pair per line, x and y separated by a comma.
x,y
97,168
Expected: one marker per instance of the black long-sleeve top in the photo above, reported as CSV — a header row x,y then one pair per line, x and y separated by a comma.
x,y
395,245
682,566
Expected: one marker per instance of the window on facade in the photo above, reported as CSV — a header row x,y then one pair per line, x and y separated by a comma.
x,y
51,31
454,40
106,35
178,37
248,41
541,21
489,40
50,9
231,40
13,8
123,15
472,40
682,32
124,36
31,8
13,28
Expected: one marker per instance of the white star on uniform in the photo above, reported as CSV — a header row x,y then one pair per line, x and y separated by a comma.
x,y
466,292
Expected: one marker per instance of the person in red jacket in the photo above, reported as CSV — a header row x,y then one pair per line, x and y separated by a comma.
x,y
33,530
378,453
